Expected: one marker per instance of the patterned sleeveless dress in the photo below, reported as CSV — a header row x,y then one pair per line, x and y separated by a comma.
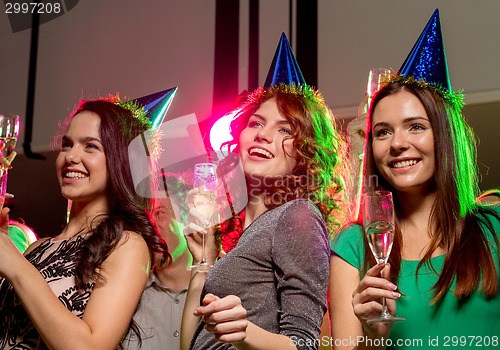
x,y
56,261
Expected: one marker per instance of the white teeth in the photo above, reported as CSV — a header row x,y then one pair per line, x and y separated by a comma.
x,y
74,175
404,163
261,151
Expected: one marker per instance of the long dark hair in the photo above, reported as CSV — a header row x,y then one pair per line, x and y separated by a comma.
x,y
455,216
127,210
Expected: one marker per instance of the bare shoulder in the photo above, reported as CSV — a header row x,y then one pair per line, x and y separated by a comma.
x,y
339,266
132,244
131,254
132,236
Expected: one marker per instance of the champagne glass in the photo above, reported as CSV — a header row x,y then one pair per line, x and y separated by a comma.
x,y
356,132
9,132
205,202
376,78
378,222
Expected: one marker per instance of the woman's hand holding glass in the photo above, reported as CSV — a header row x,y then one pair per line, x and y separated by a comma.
x,y
374,298
367,300
9,132
203,216
200,237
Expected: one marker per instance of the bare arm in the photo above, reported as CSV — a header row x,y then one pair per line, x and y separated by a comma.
x,y
353,302
192,233
258,338
325,333
189,321
110,306
344,279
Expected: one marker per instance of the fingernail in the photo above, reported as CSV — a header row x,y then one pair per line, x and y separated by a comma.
x,y
396,294
196,313
392,286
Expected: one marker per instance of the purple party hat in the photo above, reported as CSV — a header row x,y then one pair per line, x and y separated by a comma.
x,y
156,105
427,59
284,68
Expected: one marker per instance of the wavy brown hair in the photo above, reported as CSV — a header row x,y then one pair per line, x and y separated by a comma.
x,y
455,216
321,149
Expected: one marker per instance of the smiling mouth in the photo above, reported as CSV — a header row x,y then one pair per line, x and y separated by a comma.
x,y
74,175
403,163
259,152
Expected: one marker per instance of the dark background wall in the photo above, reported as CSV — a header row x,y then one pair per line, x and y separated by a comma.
x,y
37,198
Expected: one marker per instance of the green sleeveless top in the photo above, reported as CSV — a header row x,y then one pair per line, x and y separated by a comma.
x,y
447,324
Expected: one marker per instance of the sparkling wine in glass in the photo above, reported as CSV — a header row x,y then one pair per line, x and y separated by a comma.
x,y
9,132
380,236
378,222
204,182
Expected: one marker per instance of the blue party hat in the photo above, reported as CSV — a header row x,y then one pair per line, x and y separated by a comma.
x,y
156,105
284,69
427,59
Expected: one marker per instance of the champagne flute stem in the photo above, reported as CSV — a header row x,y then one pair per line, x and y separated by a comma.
x,y
3,186
385,311
203,258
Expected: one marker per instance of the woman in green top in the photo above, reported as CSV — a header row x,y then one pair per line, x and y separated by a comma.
x,y
443,272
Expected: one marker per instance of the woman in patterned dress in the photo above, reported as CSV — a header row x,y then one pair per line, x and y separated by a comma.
x,y
80,288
